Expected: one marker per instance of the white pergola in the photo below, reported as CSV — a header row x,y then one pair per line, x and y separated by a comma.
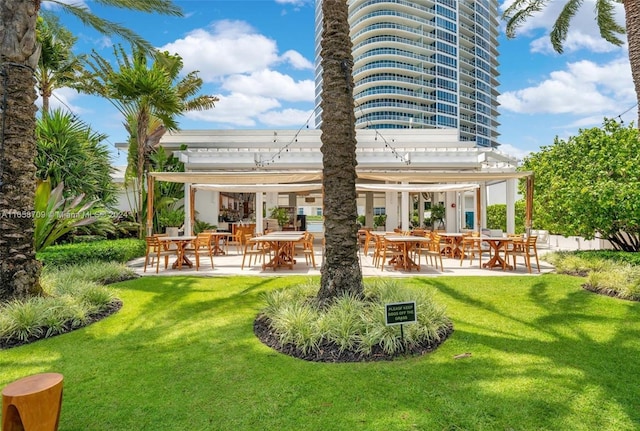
x,y
402,161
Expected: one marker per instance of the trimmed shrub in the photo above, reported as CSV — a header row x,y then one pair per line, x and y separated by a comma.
x,y
121,250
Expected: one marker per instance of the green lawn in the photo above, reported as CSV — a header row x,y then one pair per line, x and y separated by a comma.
x,y
181,355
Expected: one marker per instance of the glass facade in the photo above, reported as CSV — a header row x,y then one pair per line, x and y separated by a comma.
x,y
423,64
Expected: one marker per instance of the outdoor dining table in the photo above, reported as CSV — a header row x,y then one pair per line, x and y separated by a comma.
x,y
497,244
453,240
406,243
283,244
181,243
215,241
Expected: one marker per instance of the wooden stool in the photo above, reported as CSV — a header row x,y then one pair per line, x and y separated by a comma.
x,y
32,403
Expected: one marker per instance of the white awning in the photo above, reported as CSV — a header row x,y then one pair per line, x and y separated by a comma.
x,y
258,188
416,188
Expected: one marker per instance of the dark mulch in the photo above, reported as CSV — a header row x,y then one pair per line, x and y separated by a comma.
x,y
329,352
112,308
607,292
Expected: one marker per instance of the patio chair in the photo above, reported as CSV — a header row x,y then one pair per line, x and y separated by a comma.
x,y
308,249
154,251
201,245
433,251
472,244
253,249
527,249
386,250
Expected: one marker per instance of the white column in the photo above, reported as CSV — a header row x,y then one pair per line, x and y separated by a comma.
x,y
511,205
420,211
391,207
368,209
405,210
259,217
271,200
483,204
215,201
451,212
187,209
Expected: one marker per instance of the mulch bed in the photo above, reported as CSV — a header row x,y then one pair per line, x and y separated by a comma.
x,y
112,308
329,352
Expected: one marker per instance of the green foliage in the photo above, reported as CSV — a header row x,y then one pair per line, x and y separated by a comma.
x,y
351,323
169,218
620,280
67,147
281,214
201,226
589,186
519,11
121,250
497,217
56,216
379,220
74,296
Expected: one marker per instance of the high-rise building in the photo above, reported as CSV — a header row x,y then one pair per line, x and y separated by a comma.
x,y
423,64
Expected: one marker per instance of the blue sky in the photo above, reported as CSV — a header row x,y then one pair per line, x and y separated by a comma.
x,y
257,57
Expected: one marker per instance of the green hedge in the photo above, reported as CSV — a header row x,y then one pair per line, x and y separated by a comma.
x,y
631,258
118,250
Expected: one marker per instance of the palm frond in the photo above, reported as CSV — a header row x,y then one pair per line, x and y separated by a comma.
x,y
561,27
518,12
609,28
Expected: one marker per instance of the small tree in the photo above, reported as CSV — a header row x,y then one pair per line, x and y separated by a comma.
x,y
589,185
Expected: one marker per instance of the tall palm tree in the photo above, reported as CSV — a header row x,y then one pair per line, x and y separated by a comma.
x,y
58,66
610,30
19,54
341,273
150,97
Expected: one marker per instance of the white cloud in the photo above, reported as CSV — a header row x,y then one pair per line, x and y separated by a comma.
x,y
227,47
297,60
270,83
64,98
236,109
584,88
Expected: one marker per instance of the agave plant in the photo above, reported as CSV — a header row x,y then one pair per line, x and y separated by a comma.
x,y
56,215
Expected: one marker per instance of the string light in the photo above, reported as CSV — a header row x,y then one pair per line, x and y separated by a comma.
x,y
284,149
620,116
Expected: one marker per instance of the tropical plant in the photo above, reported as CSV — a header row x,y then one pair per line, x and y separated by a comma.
x,y
518,12
340,274
150,97
58,65
19,55
497,217
170,218
281,214
589,185
56,215
201,225
66,147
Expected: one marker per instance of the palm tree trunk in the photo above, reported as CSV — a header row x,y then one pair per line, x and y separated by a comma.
x,y
19,269
632,16
341,273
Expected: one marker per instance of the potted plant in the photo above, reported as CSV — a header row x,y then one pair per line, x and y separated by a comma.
x,y
280,214
171,220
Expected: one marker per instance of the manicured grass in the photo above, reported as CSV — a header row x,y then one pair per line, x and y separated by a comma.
x,y
181,355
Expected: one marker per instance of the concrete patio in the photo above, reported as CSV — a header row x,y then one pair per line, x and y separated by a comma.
x,y
230,263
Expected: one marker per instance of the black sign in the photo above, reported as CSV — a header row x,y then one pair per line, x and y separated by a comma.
x,y
400,313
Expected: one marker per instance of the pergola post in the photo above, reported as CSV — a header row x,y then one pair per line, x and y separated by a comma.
x,y
150,187
528,217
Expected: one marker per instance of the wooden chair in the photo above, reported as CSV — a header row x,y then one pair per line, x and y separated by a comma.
x,y
201,245
471,244
434,251
235,240
386,250
308,251
527,249
252,249
155,250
